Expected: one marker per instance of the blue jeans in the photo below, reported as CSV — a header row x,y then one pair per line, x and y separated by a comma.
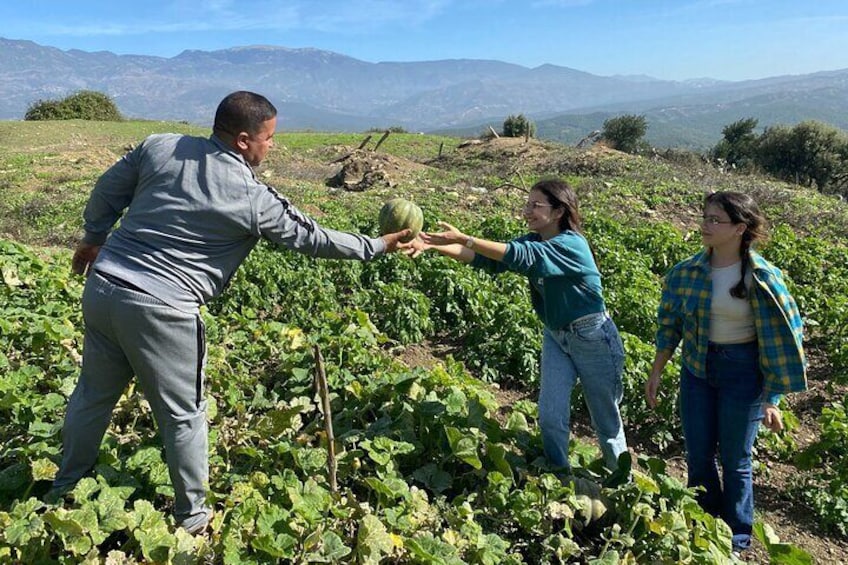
x,y
590,350
721,415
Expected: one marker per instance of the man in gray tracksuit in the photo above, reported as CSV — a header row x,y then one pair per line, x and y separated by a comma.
x,y
194,210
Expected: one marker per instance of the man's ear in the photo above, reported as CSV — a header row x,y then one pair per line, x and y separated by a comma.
x,y
241,140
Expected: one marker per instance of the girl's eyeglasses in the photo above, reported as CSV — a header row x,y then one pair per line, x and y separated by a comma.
x,y
530,206
714,221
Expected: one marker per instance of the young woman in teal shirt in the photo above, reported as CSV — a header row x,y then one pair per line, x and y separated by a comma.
x,y
581,342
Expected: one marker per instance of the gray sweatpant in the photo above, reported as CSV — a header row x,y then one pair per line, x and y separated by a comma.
x,y
132,333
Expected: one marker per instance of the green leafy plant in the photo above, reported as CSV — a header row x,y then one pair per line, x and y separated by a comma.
x,y
626,132
518,126
81,105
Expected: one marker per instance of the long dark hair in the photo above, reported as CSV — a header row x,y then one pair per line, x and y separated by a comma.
x,y
742,209
561,195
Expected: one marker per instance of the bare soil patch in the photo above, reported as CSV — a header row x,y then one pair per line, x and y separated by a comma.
x,y
352,169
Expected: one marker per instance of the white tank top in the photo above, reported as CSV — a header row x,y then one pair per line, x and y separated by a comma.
x,y
731,319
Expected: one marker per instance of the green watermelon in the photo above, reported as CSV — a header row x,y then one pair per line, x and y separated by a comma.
x,y
399,214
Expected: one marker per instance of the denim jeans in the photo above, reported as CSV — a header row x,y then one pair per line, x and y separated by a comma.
x,y
589,350
721,415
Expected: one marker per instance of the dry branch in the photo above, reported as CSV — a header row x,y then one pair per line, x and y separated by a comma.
x,y
349,153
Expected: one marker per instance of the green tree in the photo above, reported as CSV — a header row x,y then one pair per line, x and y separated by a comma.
x,y
518,126
811,153
776,154
82,105
739,145
626,133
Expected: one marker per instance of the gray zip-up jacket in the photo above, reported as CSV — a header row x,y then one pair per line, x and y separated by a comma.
x,y
194,210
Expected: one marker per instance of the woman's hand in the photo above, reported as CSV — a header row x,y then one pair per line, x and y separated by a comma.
x,y
450,235
419,247
652,386
772,418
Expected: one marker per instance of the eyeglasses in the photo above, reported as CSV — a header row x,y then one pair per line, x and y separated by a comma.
x,y
715,220
530,206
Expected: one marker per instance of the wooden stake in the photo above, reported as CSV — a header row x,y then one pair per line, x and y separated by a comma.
x,y
441,145
382,139
324,393
364,141
491,129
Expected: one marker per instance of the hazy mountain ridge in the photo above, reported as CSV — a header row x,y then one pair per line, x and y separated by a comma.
x,y
697,124
329,91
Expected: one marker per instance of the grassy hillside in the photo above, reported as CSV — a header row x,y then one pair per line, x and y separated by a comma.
x,y
47,169
433,369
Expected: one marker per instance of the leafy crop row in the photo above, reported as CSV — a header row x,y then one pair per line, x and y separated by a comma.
x,y
431,467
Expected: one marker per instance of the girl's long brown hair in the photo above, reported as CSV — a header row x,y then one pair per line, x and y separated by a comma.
x,y
742,209
561,195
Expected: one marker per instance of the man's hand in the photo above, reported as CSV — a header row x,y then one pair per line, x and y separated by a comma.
x,y
84,256
772,418
394,243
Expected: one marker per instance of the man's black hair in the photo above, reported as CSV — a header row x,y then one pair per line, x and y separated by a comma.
x,y
243,111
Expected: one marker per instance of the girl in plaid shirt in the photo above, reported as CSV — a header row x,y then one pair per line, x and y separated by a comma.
x,y
742,349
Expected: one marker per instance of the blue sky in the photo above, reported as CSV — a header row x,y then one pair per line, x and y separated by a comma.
x,y
669,39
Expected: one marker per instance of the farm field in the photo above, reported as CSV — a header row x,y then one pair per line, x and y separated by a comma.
x,y
432,370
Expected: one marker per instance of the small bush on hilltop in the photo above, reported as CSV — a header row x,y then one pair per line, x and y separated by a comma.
x,y
810,153
82,105
739,145
625,133
518,126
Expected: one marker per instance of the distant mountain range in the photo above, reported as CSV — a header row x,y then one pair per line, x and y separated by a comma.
x,y
325,91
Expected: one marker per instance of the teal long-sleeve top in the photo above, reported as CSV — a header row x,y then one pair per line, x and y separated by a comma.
x,y
565,283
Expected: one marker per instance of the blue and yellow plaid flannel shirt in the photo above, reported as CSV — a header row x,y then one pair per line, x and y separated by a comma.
x,y
684,313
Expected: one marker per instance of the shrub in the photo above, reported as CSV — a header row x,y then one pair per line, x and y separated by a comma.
x,y
518,126
44,110
810,153
626,133
739,146
82,105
